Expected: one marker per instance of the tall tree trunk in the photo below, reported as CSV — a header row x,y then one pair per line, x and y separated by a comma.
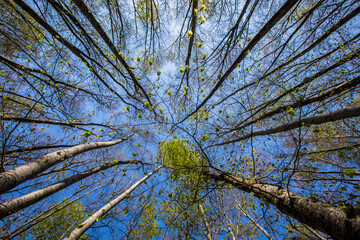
x,y
285,8
44,215
242,210
50,121
97,26
15,176
17,204
80,54
84,226
207,225
35,148
324,217
348,112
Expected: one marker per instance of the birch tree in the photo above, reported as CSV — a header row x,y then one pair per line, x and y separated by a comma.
x,y
14,205
262,95
14,177
84,226
322,216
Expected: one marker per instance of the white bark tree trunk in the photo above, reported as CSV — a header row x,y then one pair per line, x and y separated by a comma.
x,y
17,204
207,225
324,217
242,210
84,226
15,176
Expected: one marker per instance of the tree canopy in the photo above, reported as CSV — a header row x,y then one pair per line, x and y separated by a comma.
x,y
173,119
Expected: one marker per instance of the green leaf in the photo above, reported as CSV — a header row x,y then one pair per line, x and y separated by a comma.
x,y
350,172
126,209
204,138
87,134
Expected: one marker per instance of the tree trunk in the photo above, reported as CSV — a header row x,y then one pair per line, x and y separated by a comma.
x,y
324,217
49,121
84,226
17,204
318,98
80,54
340,114
18,175
35,148
207,225
44,215
242,210
285,8
97,26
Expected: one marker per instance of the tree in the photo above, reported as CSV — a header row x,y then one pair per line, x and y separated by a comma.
x,y
58,223
81,229
251,106
307,210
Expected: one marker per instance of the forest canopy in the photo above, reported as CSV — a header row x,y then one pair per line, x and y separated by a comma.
x,y
174,119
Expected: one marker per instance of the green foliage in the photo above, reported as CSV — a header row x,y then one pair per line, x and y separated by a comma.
x,y
187,166
206,9
182,216
202,115
148,227
59,222
182,160
179,214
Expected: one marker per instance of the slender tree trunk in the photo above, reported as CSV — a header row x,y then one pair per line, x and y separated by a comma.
x,y
80,54
44,215
313,231
32,70
207,225
255,223
84,226
285,8
49,121
35,148
318,98
15,176
242,210
324,217
17,204
97,26
340,114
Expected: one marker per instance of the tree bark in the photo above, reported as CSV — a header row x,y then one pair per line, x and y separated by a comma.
x,y
324,217
17,204
207,225
318,98
242,210
50,121
84,226
35,148
340,114
44,215
18,175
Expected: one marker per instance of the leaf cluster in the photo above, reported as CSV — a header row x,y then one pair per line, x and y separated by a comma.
x,y
185,163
